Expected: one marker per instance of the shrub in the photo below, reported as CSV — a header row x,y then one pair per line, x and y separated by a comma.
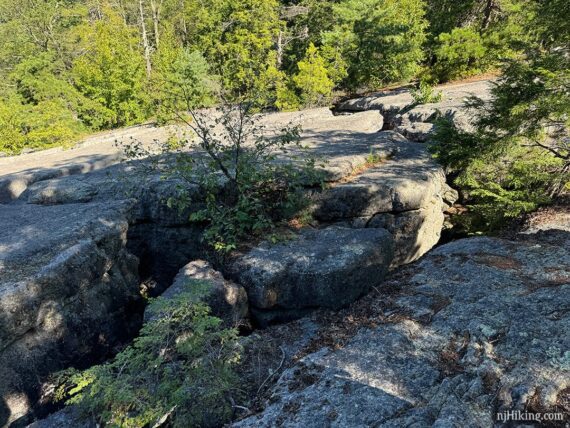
x,y
425,93
459,54
179,369
247,187
36,126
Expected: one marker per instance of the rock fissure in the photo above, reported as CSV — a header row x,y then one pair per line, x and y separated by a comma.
x,y
386,216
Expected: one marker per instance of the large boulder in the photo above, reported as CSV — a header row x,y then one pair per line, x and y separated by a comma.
x,y
477,328
68,291
226,299
320,268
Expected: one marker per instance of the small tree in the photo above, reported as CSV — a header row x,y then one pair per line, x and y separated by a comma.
x,y
519,156
313,80
237,163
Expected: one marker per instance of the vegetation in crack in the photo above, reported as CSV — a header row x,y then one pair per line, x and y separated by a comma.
x,y
180,370
251,179
425,93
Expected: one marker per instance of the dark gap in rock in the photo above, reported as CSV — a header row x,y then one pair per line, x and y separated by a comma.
x,y
162,251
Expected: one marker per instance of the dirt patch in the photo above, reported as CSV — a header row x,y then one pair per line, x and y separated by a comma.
x,y
499,262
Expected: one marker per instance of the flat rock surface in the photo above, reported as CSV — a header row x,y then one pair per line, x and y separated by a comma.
x,y
105,149
479,326
31,236
101,150
413,120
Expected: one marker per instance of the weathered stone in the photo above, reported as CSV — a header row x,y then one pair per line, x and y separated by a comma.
x,y
415,121
412,199
68,417
415,232
51,192
321,268
162,239
68,290
478,326
416,131
226,299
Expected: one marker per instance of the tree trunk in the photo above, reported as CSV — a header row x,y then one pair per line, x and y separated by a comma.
x,y
146,46
279,49
156,20
488,14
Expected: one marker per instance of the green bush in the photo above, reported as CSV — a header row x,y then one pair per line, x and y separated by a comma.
x,y
425,93
180,369
36,126
460,53
247,188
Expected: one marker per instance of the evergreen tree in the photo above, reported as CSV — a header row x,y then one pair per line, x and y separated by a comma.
x,y
313,80
382,40
519,157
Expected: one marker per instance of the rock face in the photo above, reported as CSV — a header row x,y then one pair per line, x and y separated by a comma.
x,y
321,268
479,326
227,300
69,245
404,194
52,192
68,290
415,121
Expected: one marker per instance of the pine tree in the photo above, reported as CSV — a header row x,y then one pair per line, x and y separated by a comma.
x,y
312,80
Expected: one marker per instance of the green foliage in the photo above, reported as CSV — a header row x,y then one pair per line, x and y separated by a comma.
x,y
497,184
425,93
179,369
460,53
381,40
287,99
519,156
111,72
238,37
312,80
44,124
106,63
247,188
182,82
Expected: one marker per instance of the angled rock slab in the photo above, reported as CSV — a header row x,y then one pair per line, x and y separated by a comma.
x,y
321,268
479,326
